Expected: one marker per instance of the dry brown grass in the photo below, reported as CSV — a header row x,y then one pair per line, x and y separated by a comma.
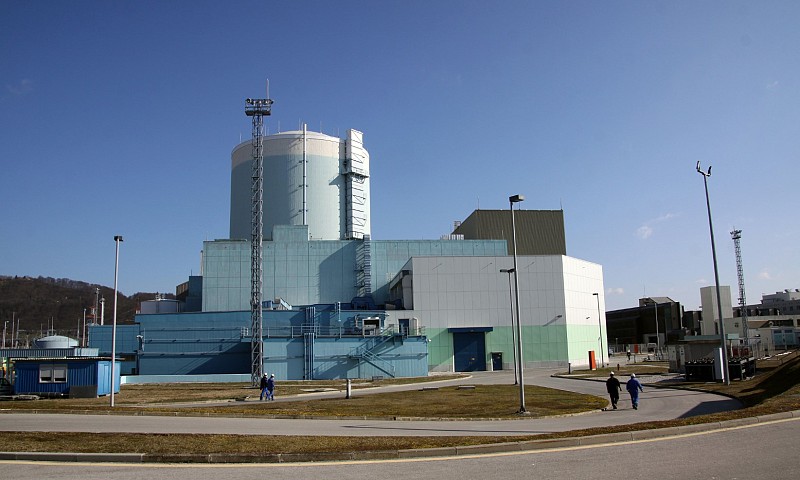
x,y
154,394
171,444
483,401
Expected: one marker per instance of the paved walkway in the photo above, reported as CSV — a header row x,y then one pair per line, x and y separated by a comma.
x,y
656,404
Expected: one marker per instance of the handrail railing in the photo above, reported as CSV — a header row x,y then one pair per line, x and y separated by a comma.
x,y
324,331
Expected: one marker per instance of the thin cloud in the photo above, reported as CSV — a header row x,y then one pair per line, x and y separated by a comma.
x,y
764,275
773,85
615,291
20,88
646,230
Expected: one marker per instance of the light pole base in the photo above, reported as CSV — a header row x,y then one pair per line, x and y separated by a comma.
x,y
523,412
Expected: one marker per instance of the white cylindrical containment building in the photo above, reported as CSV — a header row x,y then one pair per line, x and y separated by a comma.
x,y
309,179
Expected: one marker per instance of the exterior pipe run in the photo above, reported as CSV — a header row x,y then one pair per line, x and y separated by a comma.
x,y
305,173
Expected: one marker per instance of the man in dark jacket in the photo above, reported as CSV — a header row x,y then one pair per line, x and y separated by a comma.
x,y
263,386
613,387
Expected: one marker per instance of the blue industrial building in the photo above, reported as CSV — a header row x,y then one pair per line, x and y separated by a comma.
x,y
320,341
344,305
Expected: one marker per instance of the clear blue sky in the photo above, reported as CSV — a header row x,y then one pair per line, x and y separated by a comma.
x,y
119,118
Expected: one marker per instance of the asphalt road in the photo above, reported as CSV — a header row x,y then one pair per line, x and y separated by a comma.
x,y
656,404
762,451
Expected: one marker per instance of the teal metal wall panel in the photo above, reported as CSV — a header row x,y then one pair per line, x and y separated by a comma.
x,y
100,338
219,343
317,272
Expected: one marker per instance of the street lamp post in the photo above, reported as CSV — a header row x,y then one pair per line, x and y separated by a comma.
x,y
511,201
658,338
600,324
724,368
658,341
117,240
509,271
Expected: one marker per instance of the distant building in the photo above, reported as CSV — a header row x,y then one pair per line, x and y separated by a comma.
x,y
775,322
785,303
656,321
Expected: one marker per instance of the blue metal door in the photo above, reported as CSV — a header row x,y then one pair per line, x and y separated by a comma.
x,y
469,352
497,361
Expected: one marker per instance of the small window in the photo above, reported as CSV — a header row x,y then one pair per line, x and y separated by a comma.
x,y
59,373
52,374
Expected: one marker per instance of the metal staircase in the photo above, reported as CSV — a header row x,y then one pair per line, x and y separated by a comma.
x,y
367,352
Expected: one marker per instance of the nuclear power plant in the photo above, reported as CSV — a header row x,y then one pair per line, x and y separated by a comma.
x,y
338,304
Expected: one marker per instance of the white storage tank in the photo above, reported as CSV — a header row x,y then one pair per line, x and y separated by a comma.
x,y
55,341
309,179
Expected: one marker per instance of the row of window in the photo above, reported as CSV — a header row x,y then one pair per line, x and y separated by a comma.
x,y
52,374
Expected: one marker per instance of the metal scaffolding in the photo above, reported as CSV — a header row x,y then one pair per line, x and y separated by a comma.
x,y
737,236
257,108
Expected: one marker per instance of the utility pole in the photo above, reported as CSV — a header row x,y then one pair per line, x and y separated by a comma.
x,y
96,303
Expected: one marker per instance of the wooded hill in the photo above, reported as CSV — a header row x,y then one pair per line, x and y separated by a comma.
x,y
43,304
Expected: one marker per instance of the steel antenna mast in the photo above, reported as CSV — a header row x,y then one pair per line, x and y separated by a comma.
x,y
737,236
257,108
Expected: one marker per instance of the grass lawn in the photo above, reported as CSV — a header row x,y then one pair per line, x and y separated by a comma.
x,y
154,394
776,388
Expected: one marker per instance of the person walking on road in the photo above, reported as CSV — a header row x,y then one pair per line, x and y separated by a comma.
x,y
634,386
263,386
270,386
613,387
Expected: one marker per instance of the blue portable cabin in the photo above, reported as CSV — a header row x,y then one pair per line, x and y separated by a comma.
x,y
74,377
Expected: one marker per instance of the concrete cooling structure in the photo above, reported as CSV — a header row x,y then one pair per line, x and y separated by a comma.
x,y
309,179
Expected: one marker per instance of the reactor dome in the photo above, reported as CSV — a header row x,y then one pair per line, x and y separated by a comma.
x,y
310,179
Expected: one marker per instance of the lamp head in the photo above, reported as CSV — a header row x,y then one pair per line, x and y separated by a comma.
x,y
516,198
701,172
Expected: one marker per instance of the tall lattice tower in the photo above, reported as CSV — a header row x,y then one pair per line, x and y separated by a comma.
x,y
257,108
737,236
